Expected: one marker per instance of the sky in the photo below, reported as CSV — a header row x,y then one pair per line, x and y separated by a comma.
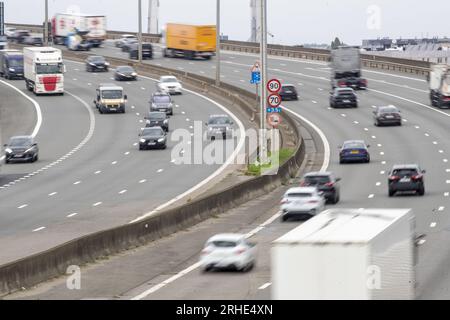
x,y
290,21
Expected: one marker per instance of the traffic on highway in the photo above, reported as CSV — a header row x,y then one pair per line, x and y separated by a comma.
x,y
152,149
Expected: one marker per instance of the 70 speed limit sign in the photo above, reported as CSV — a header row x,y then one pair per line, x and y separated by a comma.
x,y
274,85
274,100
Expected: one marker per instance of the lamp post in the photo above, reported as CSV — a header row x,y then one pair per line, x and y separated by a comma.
x,y
218,43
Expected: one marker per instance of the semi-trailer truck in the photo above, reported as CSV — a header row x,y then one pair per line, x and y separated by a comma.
x,y
11,64
345,67
64,25
44,70
189,41
347,254
439,81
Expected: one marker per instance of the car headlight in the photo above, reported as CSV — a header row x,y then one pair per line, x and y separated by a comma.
x,y
142,141
92,64
210,129
8,150
147,121
12,69
134,74
106,63
153,106
166,121
120,74
161,140
228,129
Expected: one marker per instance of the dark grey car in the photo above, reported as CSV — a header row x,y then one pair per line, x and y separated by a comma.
x,y
96,63
125,73
152,138
406,177
387,115
161,102
343,97
219,126
325,182
21,148
157,119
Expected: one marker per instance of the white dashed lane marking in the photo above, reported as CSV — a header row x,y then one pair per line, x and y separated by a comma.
x,y
97,172
433,225
72,215
52,194
22,206
143,181
97,204
160,170
38,229
77,182
123,191
371,196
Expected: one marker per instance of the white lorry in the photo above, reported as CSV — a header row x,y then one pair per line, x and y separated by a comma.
x,y
347,254
64,25
439,81
44,70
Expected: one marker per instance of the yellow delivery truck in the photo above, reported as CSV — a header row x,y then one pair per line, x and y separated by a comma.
x,y
189,41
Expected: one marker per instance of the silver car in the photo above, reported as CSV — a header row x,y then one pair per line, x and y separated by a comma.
x,y
302,202
219,126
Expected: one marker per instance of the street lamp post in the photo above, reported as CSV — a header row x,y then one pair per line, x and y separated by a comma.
x,y
140,30
46,24
218,44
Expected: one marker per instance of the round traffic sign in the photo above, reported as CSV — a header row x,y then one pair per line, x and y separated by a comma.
x,y
274,119
273,85
274,100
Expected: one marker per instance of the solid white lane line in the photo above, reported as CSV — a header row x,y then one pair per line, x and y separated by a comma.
x,y
97,204
72,215
264,286
22,206
38,229
447,170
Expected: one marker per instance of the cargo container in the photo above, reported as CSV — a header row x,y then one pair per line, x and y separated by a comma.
x,y
64,25
345,67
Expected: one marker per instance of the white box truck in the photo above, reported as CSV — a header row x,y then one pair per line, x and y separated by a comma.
x,y
347,254
439,81
44,70
345,67
64,25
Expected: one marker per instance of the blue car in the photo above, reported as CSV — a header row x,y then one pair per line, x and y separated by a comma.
x,y
354,151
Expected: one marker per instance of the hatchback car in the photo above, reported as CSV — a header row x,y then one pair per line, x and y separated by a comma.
x,y
157,119
169,84
343,97
288,92
387,115
161,102
302,203
124,73
96,63
406,177
128,44
33,41
219,126
325,182
228,251
147,51
21,148
354,151
152,138
125,37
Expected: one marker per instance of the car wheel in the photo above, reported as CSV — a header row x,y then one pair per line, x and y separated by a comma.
x,y
377,124
368,160
391,193
400,123
341,161
140,147
335,199
421,191
6,161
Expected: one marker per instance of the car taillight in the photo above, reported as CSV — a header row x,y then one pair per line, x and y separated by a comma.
x,y
446,98
303,184
341,83
416,177
364,81
329,184
393,178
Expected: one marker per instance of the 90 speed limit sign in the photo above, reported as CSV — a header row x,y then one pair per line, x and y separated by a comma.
x,y
274,100
274,85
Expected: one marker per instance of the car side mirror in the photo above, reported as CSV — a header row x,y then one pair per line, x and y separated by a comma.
x,y
94,101
206,124
34,144
5,145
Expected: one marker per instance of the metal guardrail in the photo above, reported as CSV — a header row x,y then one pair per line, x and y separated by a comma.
x,y
296,52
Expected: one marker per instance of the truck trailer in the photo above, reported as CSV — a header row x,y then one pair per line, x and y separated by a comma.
x,y
64,25
189,41
44,70
439,81
11,64
345,67
347,254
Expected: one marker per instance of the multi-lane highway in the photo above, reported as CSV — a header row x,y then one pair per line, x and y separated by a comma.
x,y
90,175
169,269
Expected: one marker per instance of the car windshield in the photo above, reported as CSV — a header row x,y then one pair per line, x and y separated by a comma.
x,y
388,110
157,116
3,38
344,92
111,94
299,195
97,59
152,132
45,68
223,244
317,179
15,61
287,88
161,99
219,120
405,172
169,79
17,142
125,69
354,145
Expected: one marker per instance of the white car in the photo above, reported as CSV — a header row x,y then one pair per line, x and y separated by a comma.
x,y
169,84
302,202
9,32
228,251
125,38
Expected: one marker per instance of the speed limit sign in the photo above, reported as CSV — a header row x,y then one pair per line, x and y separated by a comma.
x,y
274,100
274,85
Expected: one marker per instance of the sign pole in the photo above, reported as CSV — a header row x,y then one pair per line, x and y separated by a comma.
x,y
263,49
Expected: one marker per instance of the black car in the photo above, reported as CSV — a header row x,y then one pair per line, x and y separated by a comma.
x,y
128,43
161,102
325,182
33,41
157,119
288,92
21,148
125,73
152,138
354,82
387,115
343,97
406,177
147,51
19,36
96,63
